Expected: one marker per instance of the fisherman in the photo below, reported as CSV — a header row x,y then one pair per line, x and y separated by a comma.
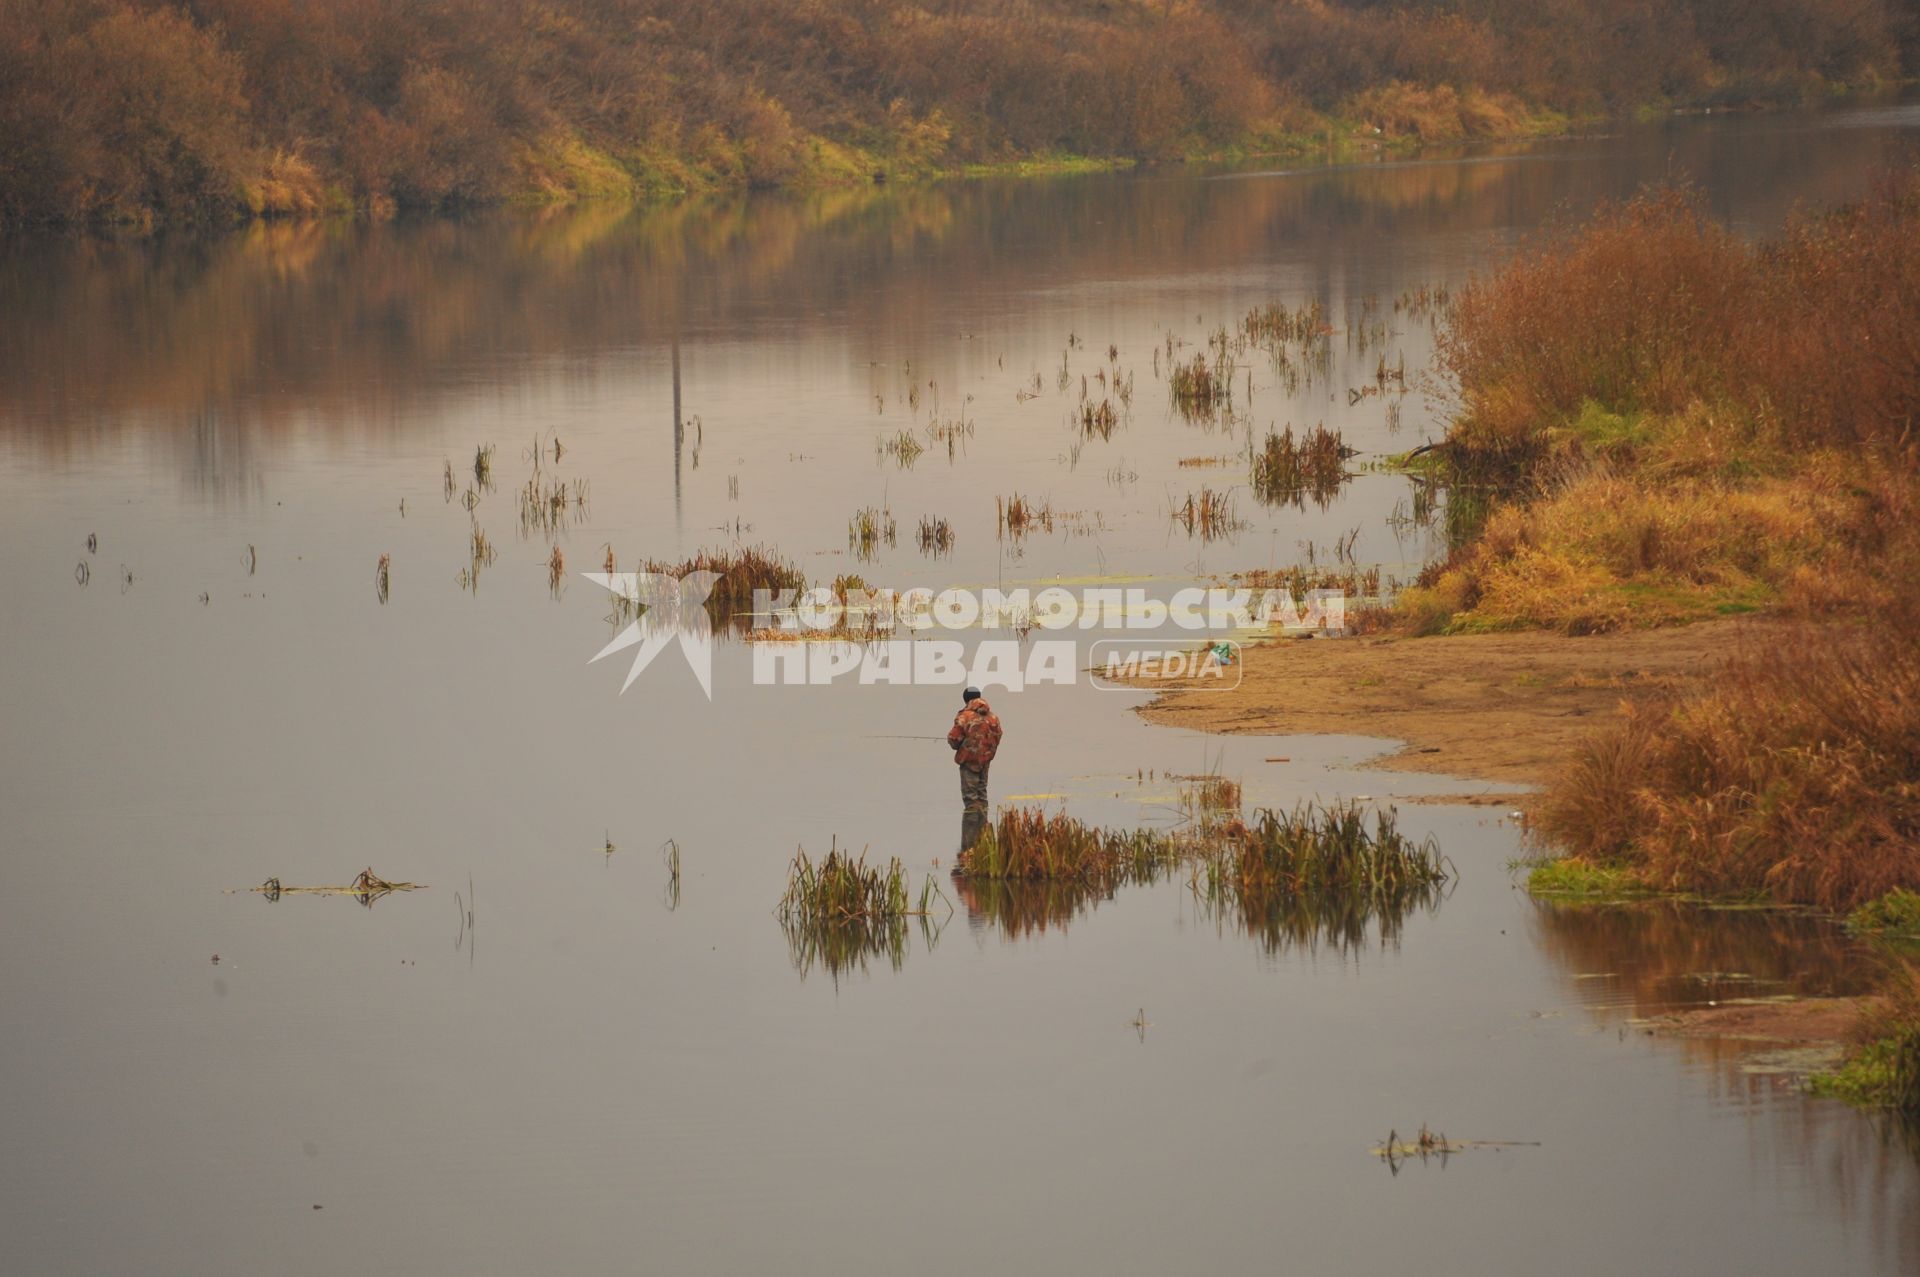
x,y
975,739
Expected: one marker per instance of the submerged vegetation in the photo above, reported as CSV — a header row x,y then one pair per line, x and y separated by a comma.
x,y
843,911
742,571
868,530
1314,874
366,887
935,537
1200,390
1017,515
1289,472
1025,843
1207,514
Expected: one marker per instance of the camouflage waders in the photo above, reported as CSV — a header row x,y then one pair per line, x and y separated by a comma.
x,y
973,804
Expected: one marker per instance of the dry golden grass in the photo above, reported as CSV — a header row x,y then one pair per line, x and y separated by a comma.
x,y
1662,423
1794,775
1440,113
1611,551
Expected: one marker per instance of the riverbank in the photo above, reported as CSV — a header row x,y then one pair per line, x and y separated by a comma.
x,y
141,112
1506,707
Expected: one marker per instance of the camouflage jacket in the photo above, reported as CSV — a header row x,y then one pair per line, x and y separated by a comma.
x,y
976,734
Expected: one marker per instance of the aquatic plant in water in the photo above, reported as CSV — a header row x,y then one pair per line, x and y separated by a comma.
x,y
868,529
1287,471
842,911
1208,515
1200,390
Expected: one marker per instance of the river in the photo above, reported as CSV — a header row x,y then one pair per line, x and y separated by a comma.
x,y
556,1057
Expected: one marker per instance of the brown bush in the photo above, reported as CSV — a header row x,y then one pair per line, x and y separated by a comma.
x,y
110,112
1637,311
1652,308
1796,776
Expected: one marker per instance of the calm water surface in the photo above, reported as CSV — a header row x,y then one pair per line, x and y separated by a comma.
x,y
600,1075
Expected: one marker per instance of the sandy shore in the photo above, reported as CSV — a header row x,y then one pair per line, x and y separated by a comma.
x,y
1500,707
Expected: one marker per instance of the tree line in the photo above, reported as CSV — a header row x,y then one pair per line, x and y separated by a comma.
x,y
138,110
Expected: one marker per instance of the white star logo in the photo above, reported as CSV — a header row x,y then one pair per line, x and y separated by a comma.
x,y
668,607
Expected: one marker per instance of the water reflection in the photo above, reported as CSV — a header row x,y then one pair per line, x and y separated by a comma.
x,y
853,946
1646,958
1023,910
233,341
1348,923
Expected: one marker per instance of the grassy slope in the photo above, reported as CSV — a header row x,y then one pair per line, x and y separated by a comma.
x,y
1661,423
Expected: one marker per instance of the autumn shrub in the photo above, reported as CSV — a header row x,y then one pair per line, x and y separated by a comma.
x,y
108,112
1792,774
1659,421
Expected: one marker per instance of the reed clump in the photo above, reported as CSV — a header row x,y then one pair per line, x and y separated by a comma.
x,y
742,571
1322,850
1319,875
936,537
1309,876
547,503
1287,326
1210,798
842,912
1017,515
1026,843
843,888
869,529
1287,471
1200,390
1208,514
1297,341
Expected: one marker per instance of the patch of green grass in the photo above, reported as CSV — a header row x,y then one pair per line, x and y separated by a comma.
x,y
1045,165
1897,913
1881,1074
1574,878
1432,461
1598,429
